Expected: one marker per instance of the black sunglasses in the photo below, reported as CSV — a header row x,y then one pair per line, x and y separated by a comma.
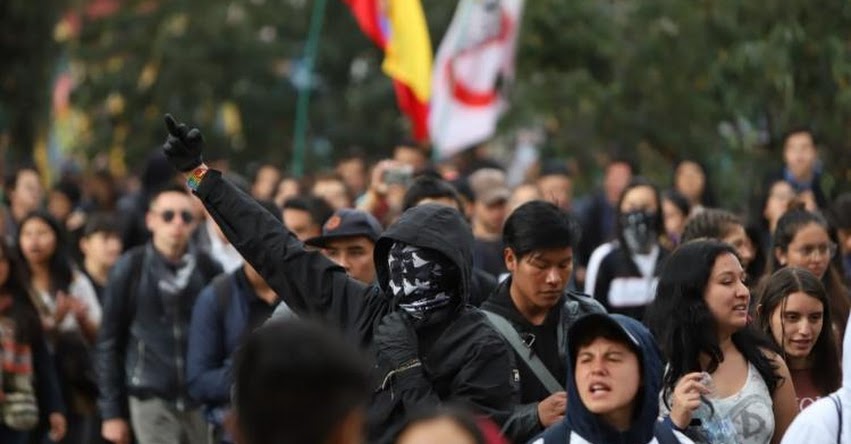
x,y
168,216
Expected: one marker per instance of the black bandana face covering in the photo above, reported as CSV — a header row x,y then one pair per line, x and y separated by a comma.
x,y
422,281
639,231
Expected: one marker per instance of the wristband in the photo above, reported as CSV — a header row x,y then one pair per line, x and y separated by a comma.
x,y
194,179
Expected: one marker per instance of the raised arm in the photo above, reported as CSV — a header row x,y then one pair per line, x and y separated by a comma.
x,y
306,280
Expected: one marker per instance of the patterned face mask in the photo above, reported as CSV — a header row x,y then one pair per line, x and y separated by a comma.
x,y
639,231
422,280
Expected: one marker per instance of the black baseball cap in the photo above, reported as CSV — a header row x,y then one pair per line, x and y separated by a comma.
x,y
347,223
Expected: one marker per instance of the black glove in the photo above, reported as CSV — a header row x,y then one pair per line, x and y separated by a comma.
x,y
396,341
183,146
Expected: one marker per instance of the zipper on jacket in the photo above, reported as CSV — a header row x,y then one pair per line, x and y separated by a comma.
x,y
140,363
178,364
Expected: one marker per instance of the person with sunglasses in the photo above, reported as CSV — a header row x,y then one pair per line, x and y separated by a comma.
x,y
141,347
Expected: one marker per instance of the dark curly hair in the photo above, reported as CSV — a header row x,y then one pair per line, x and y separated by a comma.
x,y
685,328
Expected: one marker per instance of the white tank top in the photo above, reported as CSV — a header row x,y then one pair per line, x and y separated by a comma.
x,y
750,411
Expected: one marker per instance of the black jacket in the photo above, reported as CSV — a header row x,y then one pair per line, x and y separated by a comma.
x,y
465,361
619,268
141,344
523,424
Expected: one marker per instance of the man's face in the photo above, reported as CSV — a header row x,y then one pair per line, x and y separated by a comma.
x,y
59,206
615,181
171,220
539,277
334,192
491,216
557,189
410,155
104,248
800,154
265,183
355,255
608,377
28,192
353,172
301,224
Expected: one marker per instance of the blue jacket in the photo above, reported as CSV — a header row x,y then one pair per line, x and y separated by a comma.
x,y
580,421
218,324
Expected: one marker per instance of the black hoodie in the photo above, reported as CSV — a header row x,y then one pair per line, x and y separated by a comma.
x,y
464,360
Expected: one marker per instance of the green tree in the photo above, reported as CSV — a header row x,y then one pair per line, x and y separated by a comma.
x,y
28,53
715,81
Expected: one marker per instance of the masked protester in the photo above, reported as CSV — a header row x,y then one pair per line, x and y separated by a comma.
x,y
429,346
626,279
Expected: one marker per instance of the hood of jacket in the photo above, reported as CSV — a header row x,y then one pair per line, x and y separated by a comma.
x,y
432,226
646,410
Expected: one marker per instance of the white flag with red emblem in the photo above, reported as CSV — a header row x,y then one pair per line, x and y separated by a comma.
x,y
474,64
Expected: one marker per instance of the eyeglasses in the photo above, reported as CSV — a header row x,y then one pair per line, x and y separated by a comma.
x,y
828,249
168,216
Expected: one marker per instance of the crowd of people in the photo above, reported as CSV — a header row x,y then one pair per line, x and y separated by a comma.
x,y
412,302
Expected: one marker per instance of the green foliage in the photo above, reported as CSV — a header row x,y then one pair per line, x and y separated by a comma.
x,y
206,54
28,52
717,81
714,80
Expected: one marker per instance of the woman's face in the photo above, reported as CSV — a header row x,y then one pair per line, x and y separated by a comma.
x,y
811,248
640,198
779,196
726,294
738,238
690,180
37,241
796,325
675,220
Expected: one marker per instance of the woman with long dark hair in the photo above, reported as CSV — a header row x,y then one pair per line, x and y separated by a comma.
x,y
33,388
70,314
793,309
700,319
802,239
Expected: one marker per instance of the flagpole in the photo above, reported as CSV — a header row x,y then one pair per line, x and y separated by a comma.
x,y
310,49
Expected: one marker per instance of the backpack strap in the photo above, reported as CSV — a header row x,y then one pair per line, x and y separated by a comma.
x,y
137,259
221,288
504,328
838,404
664,434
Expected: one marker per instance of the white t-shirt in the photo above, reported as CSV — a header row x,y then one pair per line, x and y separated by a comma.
x,y
82,289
